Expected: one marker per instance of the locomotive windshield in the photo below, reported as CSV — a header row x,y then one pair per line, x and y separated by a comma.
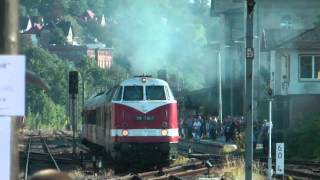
x,y
155,93
133,93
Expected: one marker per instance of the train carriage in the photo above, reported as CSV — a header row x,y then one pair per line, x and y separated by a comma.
x,y
135,121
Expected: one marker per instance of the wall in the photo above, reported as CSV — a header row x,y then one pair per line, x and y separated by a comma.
x,y
301,106
303,13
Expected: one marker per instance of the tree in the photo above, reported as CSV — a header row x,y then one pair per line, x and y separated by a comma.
x,y
57,37
52,69
76,7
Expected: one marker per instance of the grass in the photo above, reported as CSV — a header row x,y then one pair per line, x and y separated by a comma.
x,y
80,175
180,160
236,171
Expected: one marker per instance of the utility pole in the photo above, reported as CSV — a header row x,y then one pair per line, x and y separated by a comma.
x,y
248,100
9,20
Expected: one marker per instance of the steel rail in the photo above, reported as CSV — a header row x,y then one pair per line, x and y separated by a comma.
x,y
48,151
298,170
301,173
293,162
27,159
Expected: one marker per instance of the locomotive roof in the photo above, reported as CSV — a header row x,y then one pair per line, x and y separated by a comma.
x,y
98,99
149,81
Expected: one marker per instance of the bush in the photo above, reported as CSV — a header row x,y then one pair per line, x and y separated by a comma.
x,y
302,141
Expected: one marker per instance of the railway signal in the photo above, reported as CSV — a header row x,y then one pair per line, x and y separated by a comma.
x,y
250,6
73,82
73,91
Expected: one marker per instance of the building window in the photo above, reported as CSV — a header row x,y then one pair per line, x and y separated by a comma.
x,y
310,67
286,22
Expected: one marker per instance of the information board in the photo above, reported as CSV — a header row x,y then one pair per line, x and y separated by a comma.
x,y
12,85
280,158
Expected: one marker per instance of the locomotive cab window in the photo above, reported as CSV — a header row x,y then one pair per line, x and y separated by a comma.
x,y
155,93
133,93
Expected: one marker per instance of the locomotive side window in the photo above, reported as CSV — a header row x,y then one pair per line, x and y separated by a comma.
x,y
133,93
91,117
118,94
169,93
155,93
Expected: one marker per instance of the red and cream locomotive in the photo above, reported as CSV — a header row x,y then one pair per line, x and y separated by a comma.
x,y
135,122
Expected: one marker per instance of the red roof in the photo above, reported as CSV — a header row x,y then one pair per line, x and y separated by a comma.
x,y
90,14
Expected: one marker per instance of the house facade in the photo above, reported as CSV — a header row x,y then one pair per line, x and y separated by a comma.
x,y
103,56
295,76
289,70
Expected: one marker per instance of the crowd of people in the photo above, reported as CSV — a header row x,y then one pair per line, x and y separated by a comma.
x,y
210,127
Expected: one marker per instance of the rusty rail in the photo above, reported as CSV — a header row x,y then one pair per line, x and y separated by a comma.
x,y
27,159
46,148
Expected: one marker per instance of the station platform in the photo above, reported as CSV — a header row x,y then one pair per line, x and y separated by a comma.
x,y
208,146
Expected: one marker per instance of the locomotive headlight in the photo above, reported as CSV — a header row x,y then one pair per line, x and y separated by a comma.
x,y
125,132
164,132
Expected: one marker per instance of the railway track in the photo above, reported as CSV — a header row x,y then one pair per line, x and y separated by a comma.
x,y
199,165
38,156
44,152
299,169
303,169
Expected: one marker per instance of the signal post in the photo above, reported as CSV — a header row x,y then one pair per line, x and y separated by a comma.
x,y
73,92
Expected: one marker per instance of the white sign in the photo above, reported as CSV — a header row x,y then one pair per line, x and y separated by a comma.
x,y
250,53
5,155
12,85
280,158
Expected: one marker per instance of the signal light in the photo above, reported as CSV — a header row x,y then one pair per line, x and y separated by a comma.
x,y
250,6
270,92
73,82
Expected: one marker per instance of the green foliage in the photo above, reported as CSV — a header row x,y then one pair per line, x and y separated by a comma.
x,y
77,7
45,113
101,33
52,69
49,109
57,37
97,79
302,140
